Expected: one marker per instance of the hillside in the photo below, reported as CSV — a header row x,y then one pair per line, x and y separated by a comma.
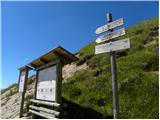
x,y
137,76
87,85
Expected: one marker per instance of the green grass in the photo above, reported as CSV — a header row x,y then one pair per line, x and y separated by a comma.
x,y
138,84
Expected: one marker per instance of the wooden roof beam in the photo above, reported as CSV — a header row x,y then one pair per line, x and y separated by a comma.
x,y
62,56
43,60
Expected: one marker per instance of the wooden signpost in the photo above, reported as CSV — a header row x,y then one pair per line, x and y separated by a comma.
x,y
22,86
112,47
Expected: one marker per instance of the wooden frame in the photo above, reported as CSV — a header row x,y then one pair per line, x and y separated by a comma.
x,y
58,65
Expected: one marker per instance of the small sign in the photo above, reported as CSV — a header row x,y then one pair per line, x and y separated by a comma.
x,y
109,26
113,46
22,81
111,35
46,86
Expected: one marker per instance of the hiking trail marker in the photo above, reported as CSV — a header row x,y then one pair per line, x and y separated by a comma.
x,y
47,96
111,35
112,46
109,26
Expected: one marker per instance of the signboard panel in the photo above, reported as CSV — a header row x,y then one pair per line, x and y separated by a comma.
x,y
46,86
113,46
109,26
111,35
22,81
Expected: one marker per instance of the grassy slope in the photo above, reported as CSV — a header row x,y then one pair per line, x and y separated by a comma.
x,y
138,81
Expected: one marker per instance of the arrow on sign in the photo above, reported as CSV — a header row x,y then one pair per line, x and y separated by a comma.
x,y
111,35
113,46
109,26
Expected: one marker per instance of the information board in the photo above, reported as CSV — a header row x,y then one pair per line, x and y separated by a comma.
x,y
46,86
22,81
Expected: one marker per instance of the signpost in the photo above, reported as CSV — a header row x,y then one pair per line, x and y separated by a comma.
x,y
111,35
109,26
112,47
22,86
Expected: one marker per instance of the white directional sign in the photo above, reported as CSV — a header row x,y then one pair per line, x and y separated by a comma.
x,y
109,26
113,46
46,86
111,35
22,81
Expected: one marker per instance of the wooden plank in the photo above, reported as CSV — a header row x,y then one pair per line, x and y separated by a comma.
x,y
44,110
41,114
45,103
113,46
109,26
111,35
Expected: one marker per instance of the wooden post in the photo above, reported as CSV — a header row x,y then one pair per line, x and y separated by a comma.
x,y
59,84
22,87
114,77
35,92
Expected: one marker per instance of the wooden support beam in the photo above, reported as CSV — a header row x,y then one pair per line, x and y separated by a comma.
x,y
59,82
44,110
45,103
41,114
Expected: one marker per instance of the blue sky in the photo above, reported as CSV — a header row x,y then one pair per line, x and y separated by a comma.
x,y
29,29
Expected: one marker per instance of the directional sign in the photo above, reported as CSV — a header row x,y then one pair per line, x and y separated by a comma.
x,y
113,46
111,35
109,26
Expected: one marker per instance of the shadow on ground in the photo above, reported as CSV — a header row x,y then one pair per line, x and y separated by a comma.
x,y
72,110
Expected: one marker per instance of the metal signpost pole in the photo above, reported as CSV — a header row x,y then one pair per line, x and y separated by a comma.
x,y
114,77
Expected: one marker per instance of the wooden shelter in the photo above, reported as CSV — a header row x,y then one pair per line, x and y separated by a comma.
x,y
47,96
